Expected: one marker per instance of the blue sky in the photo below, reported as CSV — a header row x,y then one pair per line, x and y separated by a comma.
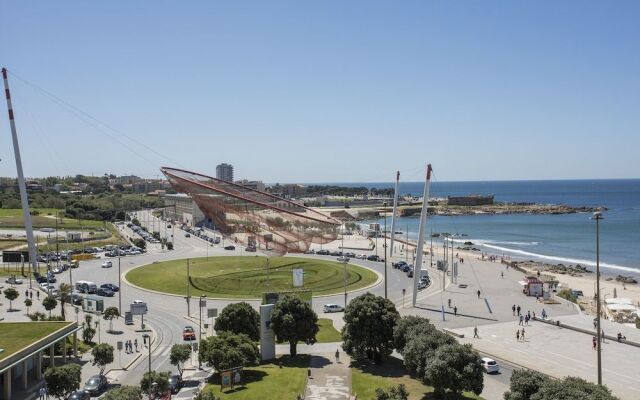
x,y
326,91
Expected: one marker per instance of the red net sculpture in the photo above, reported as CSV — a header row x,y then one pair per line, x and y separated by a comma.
x,y
270,223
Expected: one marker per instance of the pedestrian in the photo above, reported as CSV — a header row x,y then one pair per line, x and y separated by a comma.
x,y
31,294
449,303
502,275
475,332
529,314
518,309
130,346
534,315
602,335
38,294
544,314
478,293
135,343
26,293
526,320
337,356
521,319
522,334
594,342
518,335
513,309
455,310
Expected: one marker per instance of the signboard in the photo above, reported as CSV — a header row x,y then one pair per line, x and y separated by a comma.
x,y
128,318
212,312
138,308
267,336
119,345
15,256
92,304
298,277
203,303
231,377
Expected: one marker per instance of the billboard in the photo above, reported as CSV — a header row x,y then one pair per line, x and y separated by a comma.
x,y
138,308
15,256
298,277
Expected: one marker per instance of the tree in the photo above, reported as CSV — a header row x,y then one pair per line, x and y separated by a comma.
x,y
65,291
11,294
455,367
228,350
135,221
161,380
294,320
102,356
28,303
140,243
524,384
206,396
109,314
87,331
239,318
572,388
400,331
368,331
180,353
421,346
395,393
62,381
123,393
49,303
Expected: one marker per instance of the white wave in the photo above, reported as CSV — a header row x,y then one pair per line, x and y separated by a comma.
x,y
494,242
590,263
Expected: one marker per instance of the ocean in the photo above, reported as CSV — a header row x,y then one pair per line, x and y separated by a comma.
x,y
567,239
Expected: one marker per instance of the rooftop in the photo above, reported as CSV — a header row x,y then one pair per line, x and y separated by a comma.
x,y
15,336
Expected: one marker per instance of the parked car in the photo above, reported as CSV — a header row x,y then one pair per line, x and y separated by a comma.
x,y
323,252
79,395
188,333
329,308
349,254
110,286
13,280
187,235
76,299
422,285
343,259
361,256
95,385
399,264
489,365
310,252
374,257
335,253
107,264
104,292
230,247
175,383
250,249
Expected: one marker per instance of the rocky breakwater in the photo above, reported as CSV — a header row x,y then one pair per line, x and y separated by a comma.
x,y
514,208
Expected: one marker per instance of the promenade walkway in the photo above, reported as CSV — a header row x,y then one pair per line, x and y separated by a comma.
x,y
330,379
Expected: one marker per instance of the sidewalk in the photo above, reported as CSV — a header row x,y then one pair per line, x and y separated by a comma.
x,y
329,379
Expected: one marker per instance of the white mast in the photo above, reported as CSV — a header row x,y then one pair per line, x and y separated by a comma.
x,y
33,256
393,217
423,222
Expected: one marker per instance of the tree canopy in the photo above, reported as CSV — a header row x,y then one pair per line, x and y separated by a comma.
x,y
11,294
161,379
64,380
228,350
368,331
395,393
293,321
454,367
524,384
180,353
239,318
123,393
401,331
102,356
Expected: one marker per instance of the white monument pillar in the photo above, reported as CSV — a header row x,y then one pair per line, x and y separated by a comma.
x,y
423,222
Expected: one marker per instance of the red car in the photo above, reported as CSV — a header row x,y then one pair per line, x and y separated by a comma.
x,y
188,333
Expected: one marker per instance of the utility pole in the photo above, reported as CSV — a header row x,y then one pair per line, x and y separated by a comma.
x,y
24,199
119,286
598,216
344,262
393,216
421,231
385,245
406,247
188,290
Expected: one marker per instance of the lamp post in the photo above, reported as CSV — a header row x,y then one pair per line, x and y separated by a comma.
x,y
384,205
147,340
344,262
597,216
202,303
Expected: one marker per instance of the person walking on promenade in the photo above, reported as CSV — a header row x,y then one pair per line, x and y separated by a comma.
x,y
135,343
518,310
513,309
478,293
475,333
337,356
449,303
602,335
42,392
520,320
502,275
594,343
544,314
522,334
31,294
455,311
518,335
38,294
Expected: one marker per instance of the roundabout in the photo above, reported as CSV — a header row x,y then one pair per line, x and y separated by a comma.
x,y
245,277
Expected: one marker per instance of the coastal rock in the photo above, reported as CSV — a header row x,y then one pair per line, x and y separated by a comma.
x,y
626,279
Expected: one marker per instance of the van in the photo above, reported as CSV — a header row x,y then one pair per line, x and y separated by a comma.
x,y
86,287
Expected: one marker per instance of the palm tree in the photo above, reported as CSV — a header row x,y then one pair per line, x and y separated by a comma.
x,y
65,297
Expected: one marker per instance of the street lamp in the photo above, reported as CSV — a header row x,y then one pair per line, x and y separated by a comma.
x,y
201,303
147,341
597,216
384,205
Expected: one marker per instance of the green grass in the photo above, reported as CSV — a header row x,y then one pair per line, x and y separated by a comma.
x,y
10,269
366,378
245,276
14,336
7,244
12,218
327,333
267,381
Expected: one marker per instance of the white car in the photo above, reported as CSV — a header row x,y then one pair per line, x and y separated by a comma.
x,y
343,259
57,270
14,281
107,264
329,308
361,256
490,365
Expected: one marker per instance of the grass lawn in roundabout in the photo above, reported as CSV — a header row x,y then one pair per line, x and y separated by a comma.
x,y
248,277
280,380
366,378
